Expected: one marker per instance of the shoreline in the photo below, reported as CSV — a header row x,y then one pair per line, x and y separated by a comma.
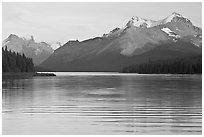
x,y
26,74
45,74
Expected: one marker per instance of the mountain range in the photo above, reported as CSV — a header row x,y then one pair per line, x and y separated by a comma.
x,y
39,52
140,40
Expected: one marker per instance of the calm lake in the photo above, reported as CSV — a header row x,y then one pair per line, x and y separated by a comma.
x,y
102,103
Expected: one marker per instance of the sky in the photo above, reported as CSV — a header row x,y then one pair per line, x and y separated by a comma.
x,y
53,22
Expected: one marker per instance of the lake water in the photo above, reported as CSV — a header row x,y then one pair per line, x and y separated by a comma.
x,y
102,103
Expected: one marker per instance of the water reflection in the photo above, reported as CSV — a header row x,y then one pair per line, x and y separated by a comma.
x,y
103,104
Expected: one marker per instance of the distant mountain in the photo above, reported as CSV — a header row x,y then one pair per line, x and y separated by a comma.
x,y
39,52
138,41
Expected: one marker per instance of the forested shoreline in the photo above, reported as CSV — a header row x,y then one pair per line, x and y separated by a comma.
x,y
190,65
16,62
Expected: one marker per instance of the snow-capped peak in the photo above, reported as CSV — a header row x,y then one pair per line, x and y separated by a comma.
x,y
11,36
173,16
142,22
136,18
139,22
176,14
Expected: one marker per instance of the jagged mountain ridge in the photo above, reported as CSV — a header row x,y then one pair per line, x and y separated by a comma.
x,y
37,51
137,38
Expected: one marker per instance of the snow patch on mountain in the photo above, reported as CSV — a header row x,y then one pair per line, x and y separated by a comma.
x,y
196,44
170,32
140,21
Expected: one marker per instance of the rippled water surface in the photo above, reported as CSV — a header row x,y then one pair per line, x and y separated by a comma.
x,y
102,103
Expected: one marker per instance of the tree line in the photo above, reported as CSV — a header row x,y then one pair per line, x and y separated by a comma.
x,y
16,62
190,65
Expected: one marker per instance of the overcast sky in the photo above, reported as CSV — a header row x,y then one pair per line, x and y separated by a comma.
x,y
60,22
